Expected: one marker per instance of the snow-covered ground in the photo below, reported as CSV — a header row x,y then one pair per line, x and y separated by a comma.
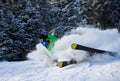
x,y
99,67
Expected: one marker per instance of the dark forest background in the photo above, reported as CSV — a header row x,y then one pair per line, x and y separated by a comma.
x,y
22,21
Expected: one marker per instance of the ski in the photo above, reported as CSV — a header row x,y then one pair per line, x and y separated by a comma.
x,y
90,50
62,64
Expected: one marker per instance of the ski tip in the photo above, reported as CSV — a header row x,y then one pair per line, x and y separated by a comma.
x,y
74,45
60,64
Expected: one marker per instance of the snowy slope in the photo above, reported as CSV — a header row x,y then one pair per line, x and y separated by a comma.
x,y
30,71
97,68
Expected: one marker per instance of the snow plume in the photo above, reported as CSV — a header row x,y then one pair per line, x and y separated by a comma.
x,y
91,37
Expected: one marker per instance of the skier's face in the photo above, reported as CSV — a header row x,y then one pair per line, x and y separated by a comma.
x,y
41,40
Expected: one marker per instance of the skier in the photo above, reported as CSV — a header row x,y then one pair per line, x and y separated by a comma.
x,y
48,40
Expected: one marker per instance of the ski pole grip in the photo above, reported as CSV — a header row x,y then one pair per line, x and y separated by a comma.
x,y
74,45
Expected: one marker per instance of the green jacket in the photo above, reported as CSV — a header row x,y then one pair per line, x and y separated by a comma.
x,y
52,39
